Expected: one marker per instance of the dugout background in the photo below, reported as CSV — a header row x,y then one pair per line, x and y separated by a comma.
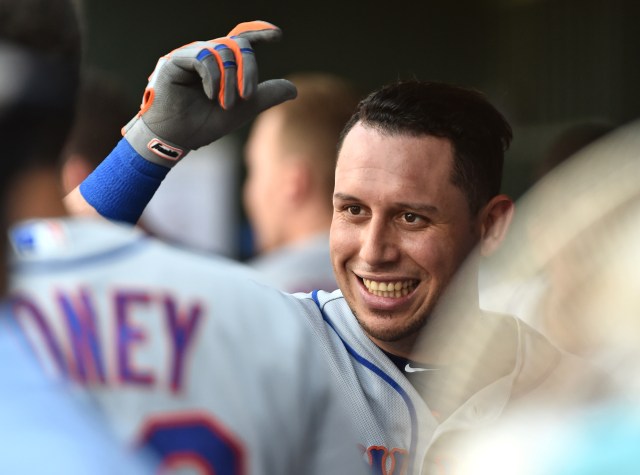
x,y
545,63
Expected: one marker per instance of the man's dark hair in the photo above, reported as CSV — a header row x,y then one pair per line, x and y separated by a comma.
x,y
102,110
478,133
40,54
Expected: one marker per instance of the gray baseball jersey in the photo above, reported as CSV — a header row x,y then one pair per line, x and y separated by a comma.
x,y
299,267
398,431
184,353
44,427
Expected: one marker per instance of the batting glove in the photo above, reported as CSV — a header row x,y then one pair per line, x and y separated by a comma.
x,y
203,91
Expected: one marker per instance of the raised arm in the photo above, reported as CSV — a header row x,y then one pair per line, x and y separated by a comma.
x,y
196,94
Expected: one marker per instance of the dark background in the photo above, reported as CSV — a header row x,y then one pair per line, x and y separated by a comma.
x,y
545,63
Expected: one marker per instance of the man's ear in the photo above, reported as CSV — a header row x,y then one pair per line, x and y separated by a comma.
x,y
495,219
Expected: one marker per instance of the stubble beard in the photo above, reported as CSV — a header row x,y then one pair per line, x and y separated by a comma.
x,y
395,333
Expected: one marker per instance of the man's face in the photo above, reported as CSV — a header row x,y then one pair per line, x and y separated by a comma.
x,y
263,186
400,231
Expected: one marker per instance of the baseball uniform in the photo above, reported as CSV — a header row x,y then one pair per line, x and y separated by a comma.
x,y
46,428
184,353
397,429
303,266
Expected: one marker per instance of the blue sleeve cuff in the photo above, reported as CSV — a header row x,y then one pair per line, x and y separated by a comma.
x,y
122,185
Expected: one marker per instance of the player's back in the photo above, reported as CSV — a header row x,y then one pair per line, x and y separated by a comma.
x,y
184,353
44,428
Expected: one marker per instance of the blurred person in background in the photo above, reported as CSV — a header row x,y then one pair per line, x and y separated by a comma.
x,y
582,221
102,107
570,141
532,300
45,426
290,159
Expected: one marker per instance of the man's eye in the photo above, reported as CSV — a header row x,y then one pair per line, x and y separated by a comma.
x,y
354,210
411,217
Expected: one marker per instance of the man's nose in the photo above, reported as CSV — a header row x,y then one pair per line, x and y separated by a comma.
x,y
378,243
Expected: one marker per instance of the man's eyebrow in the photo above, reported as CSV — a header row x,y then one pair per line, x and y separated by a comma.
x,y
418,207
344,197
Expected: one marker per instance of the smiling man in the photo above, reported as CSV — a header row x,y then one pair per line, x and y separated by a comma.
x,y
400,231
417,189
417,197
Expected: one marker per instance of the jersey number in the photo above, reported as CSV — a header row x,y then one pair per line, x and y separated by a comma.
x,y
194,441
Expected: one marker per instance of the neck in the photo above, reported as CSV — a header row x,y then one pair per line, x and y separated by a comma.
x,y
308,223
400,348
35,194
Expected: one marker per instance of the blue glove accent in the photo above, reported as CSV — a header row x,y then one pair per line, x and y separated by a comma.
x,y
122,185
205,53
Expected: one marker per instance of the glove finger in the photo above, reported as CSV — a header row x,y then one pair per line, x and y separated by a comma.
x,y
247,67
228,77
256,31
208,68
185,50
227,68
192,57
165,67
268,94
273,92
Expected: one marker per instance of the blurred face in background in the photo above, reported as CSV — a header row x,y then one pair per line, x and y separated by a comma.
x,y
265,185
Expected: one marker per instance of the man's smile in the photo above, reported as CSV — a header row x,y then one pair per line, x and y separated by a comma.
x,y
390,289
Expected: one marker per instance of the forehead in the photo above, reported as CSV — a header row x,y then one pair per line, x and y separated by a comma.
x,y
397,164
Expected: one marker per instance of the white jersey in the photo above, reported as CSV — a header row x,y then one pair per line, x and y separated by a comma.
x,y
183,352
398,431
299,267
45,428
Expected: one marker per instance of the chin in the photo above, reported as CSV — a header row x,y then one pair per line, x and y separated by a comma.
x,y
389,329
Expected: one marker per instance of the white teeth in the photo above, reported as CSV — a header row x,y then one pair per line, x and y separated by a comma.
x,y
390,289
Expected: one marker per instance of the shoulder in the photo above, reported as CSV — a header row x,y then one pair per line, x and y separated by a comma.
x,y
298,268
326,310
322,302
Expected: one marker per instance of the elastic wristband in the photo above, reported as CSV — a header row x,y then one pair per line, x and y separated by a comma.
x,y
122,185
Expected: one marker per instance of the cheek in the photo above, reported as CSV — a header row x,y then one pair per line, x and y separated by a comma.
x,y
433,255
342,240
428,257
258,190
249,196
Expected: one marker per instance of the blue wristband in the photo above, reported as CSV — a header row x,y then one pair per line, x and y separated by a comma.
x,y
122,185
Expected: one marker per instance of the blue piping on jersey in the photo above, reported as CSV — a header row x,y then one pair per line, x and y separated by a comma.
x,y
61,264
385,377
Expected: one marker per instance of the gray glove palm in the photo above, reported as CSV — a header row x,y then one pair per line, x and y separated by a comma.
x,y
203,91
